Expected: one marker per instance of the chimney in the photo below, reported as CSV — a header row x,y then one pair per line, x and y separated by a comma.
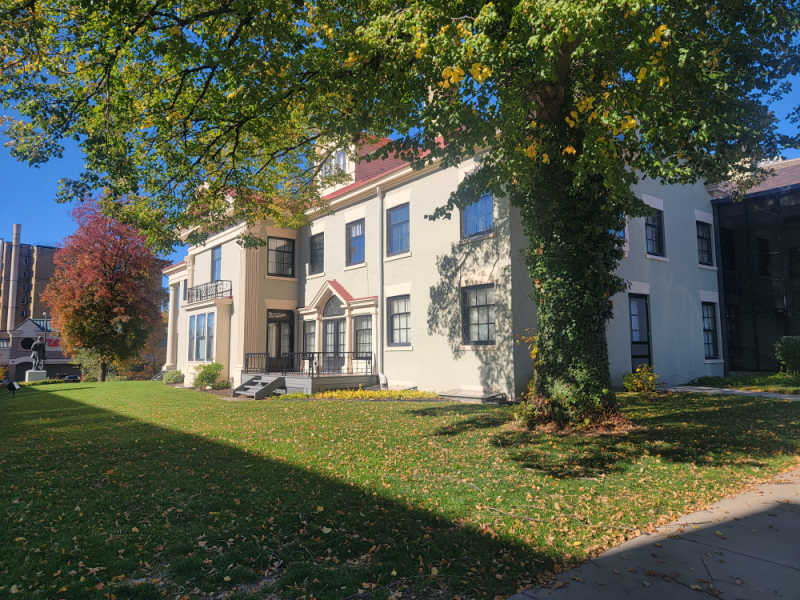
x,y
12,283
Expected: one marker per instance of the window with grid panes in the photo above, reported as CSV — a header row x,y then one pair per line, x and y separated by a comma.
x,y
280,257
710,330
362,327
478,310
309,336
705,255
654,233
399,320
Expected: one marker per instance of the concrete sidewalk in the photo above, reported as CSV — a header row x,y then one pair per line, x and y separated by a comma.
x,y
746,547
701,389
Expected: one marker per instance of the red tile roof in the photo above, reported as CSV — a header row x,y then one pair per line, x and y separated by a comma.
x,y
784,174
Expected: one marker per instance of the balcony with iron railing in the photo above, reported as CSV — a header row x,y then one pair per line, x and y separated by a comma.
x,y
220,288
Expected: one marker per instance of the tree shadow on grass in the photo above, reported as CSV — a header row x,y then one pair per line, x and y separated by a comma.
x,y
126,507
708,430
477,416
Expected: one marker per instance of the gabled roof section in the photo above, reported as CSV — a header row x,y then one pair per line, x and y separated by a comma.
x,y
333,287
784,174
372,170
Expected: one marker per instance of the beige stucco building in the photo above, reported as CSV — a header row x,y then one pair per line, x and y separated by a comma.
x,y
373,293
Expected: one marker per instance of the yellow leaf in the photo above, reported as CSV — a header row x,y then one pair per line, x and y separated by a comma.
x,y
642,74
545,158
569,150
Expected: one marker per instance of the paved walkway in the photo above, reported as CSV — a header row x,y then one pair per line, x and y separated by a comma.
x,y
746,547
701,389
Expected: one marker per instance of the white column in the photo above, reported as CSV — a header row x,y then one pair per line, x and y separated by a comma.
x,y
171,329
348,340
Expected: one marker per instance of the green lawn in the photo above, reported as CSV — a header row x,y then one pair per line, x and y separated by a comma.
x,y
782,383
138,489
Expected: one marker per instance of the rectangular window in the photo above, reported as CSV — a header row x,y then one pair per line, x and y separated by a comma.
x,y
200,338
478,218
309,336
362,326
654,230
317,254
399,320
640,330
710,330
397,233
191,338
478,314
216,263
355,242
210,336
280,257
184,288
705,255
3,343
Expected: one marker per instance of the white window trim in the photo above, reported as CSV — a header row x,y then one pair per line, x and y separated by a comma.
x,y
704,217
652,201
709,296
641,288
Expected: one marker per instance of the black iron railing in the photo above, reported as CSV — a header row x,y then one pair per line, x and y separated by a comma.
x,y
310,363
221,288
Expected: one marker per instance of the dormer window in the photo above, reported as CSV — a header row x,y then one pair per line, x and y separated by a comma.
x,y
335,164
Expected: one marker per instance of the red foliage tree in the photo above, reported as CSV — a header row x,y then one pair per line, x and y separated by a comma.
x,y
105,292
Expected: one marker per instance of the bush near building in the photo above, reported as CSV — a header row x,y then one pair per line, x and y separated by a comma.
x,y
787,351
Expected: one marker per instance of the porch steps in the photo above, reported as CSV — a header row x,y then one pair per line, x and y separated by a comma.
x,y
261,386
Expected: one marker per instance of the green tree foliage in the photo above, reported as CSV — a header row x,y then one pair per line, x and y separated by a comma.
x,y
567,103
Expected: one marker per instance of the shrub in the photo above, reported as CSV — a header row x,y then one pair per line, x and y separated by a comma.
x,y
221,384
90,378
643,379
207,375
787,351
172,377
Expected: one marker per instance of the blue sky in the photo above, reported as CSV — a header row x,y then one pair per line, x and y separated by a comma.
x,y
27,193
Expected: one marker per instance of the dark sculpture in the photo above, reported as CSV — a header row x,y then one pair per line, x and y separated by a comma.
x,y
38,354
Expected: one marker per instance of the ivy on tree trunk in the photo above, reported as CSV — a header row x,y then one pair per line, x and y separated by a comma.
x,y
573,254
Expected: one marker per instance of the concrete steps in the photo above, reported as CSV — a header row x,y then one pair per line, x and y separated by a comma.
x,y
261,386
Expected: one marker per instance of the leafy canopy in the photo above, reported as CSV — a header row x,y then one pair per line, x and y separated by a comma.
x,y
176,104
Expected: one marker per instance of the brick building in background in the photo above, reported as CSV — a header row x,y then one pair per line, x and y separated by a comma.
x,y
24,272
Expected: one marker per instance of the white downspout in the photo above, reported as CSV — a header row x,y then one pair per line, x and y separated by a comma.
x,y
382,381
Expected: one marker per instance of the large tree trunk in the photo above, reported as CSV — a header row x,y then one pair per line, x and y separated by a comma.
x,y
102,371
572,261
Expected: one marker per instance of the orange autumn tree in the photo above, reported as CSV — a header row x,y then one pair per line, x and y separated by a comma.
x,y
105,292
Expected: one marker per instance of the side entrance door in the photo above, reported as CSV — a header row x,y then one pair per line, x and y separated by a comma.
x,y
280,340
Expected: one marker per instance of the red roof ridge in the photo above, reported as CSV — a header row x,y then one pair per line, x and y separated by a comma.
x,y
340,290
